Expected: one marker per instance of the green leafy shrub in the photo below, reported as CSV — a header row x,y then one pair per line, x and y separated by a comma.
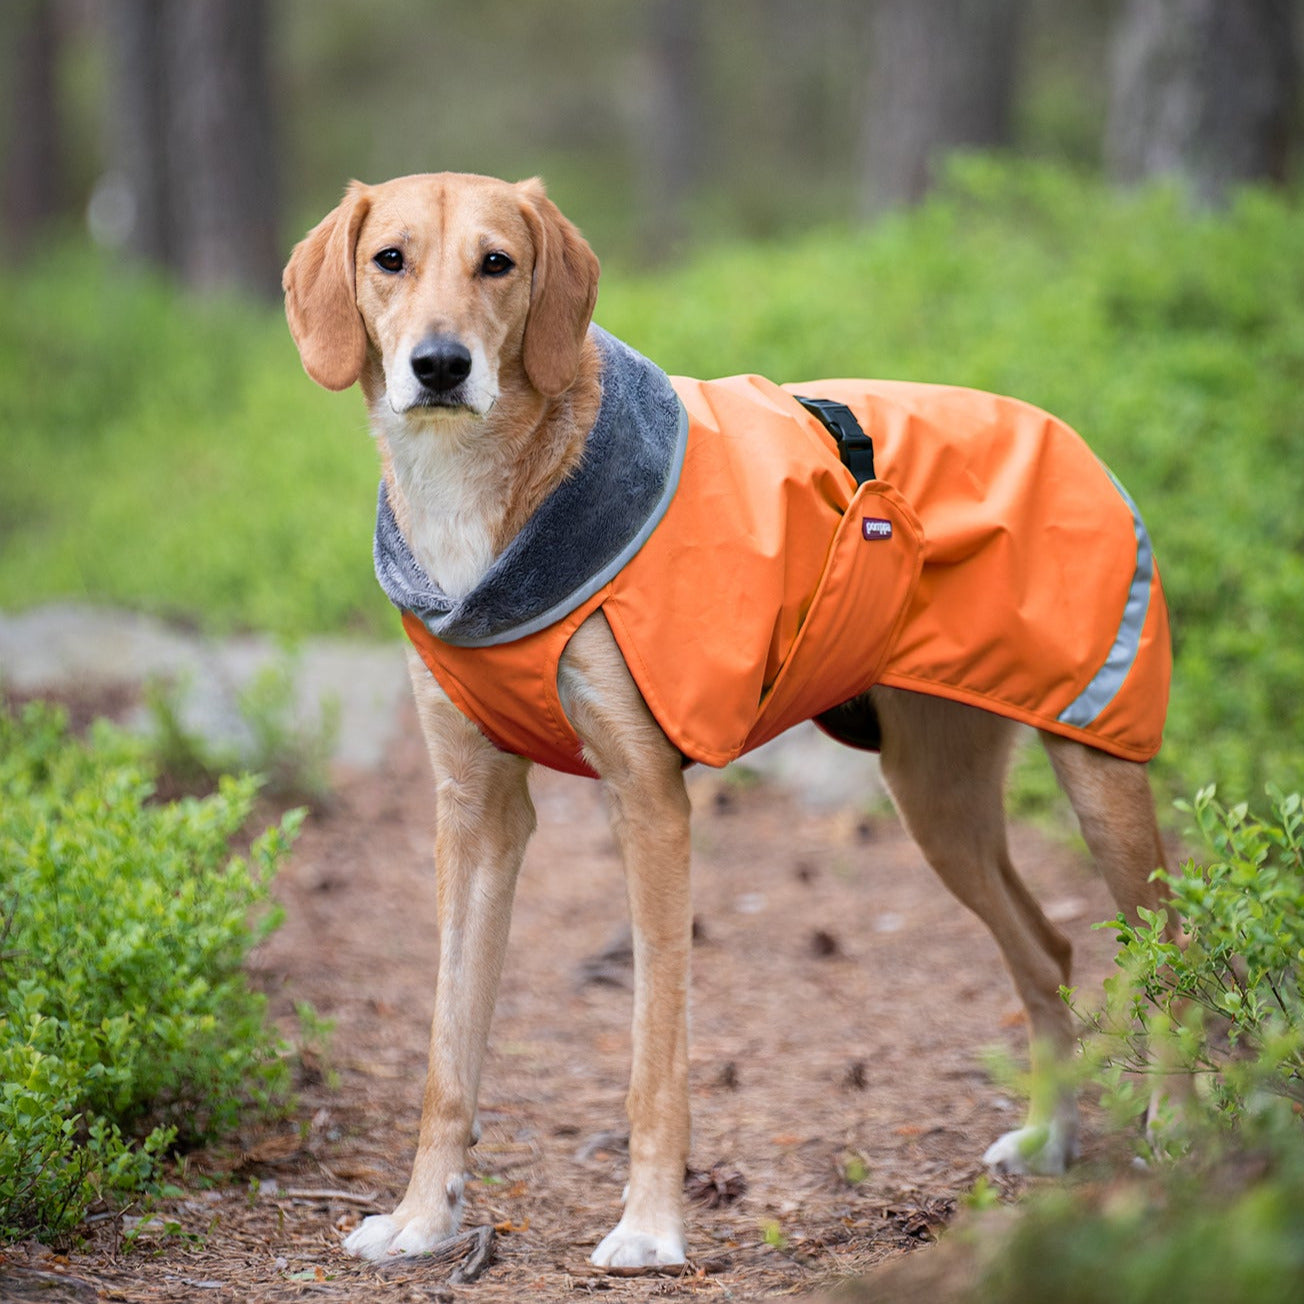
x,y
1228,1005
1216,1214
126,1021
1227,1231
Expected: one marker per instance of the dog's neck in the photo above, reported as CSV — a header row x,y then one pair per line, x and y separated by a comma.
x,y
462,486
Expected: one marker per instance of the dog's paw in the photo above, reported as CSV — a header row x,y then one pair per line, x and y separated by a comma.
x,y
1039,1150
403,1234
631,1247
384,1236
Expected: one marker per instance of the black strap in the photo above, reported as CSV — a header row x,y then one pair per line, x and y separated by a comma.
x,y
855,447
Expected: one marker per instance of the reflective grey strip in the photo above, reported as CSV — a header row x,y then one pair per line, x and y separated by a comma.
x,y
1106,682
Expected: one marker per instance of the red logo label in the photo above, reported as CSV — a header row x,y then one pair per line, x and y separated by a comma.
x,y
875,527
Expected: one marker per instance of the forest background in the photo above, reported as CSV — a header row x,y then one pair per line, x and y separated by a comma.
x,y
657,123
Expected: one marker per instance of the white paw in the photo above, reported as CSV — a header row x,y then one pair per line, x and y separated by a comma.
x,y
628,1247
1040,1149
383,1236
372,1238
402,1235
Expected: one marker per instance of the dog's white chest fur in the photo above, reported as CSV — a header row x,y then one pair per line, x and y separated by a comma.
x,y
454,504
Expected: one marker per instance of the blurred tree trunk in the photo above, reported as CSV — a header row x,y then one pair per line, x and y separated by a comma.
x,y
222,155
138,111
940,76
195,138
33,168
1202,90
671,147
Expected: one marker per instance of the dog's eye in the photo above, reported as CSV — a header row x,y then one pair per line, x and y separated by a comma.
x,y
389,260
496,264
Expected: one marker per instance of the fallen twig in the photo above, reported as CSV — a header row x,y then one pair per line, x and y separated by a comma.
x,y
470,1251
481,1256
347,1197
75,1285
692,1268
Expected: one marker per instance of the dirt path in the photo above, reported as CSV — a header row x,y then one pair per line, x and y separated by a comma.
x,y
841,1005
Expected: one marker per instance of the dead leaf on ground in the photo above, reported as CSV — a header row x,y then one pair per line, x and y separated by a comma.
x,y
718,1185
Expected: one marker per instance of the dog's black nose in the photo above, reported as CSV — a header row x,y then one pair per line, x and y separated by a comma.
x,y
441,363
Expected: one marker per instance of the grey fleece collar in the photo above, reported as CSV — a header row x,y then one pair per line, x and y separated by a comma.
x,y
583,533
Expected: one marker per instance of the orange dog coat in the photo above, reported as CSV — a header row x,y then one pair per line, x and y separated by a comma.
x,y
994,561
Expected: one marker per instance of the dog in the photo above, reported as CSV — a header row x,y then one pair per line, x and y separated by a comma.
x,y
463,306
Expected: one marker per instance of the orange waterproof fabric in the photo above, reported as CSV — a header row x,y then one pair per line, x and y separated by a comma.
x,y
763,598
1031,549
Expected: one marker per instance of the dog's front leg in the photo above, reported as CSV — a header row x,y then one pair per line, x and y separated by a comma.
x,y
650,819
485,818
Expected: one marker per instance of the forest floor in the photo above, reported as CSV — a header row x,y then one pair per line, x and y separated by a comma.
x,y
843,1007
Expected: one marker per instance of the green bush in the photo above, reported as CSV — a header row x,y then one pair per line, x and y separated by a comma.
x,y
1216,1215
1228,1005
127,1025
1226,1232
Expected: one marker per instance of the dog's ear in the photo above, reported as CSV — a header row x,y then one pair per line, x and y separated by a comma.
x,y
562,293
320,295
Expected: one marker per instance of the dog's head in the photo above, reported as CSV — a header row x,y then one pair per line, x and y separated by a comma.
x,y
439,290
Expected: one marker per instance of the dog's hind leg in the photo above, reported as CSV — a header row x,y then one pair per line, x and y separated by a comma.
x,y
1116,812
650,819
944,764
485,818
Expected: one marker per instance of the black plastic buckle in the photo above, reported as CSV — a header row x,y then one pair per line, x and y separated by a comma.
x,y
855,447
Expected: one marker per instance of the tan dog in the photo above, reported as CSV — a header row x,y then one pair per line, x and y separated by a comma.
x,y
462,304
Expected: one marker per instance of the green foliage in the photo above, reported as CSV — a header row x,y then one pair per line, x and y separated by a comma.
x,y
291,756
184,463
1228,1005
126,1021
175,459
1228,1232
1216,1216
